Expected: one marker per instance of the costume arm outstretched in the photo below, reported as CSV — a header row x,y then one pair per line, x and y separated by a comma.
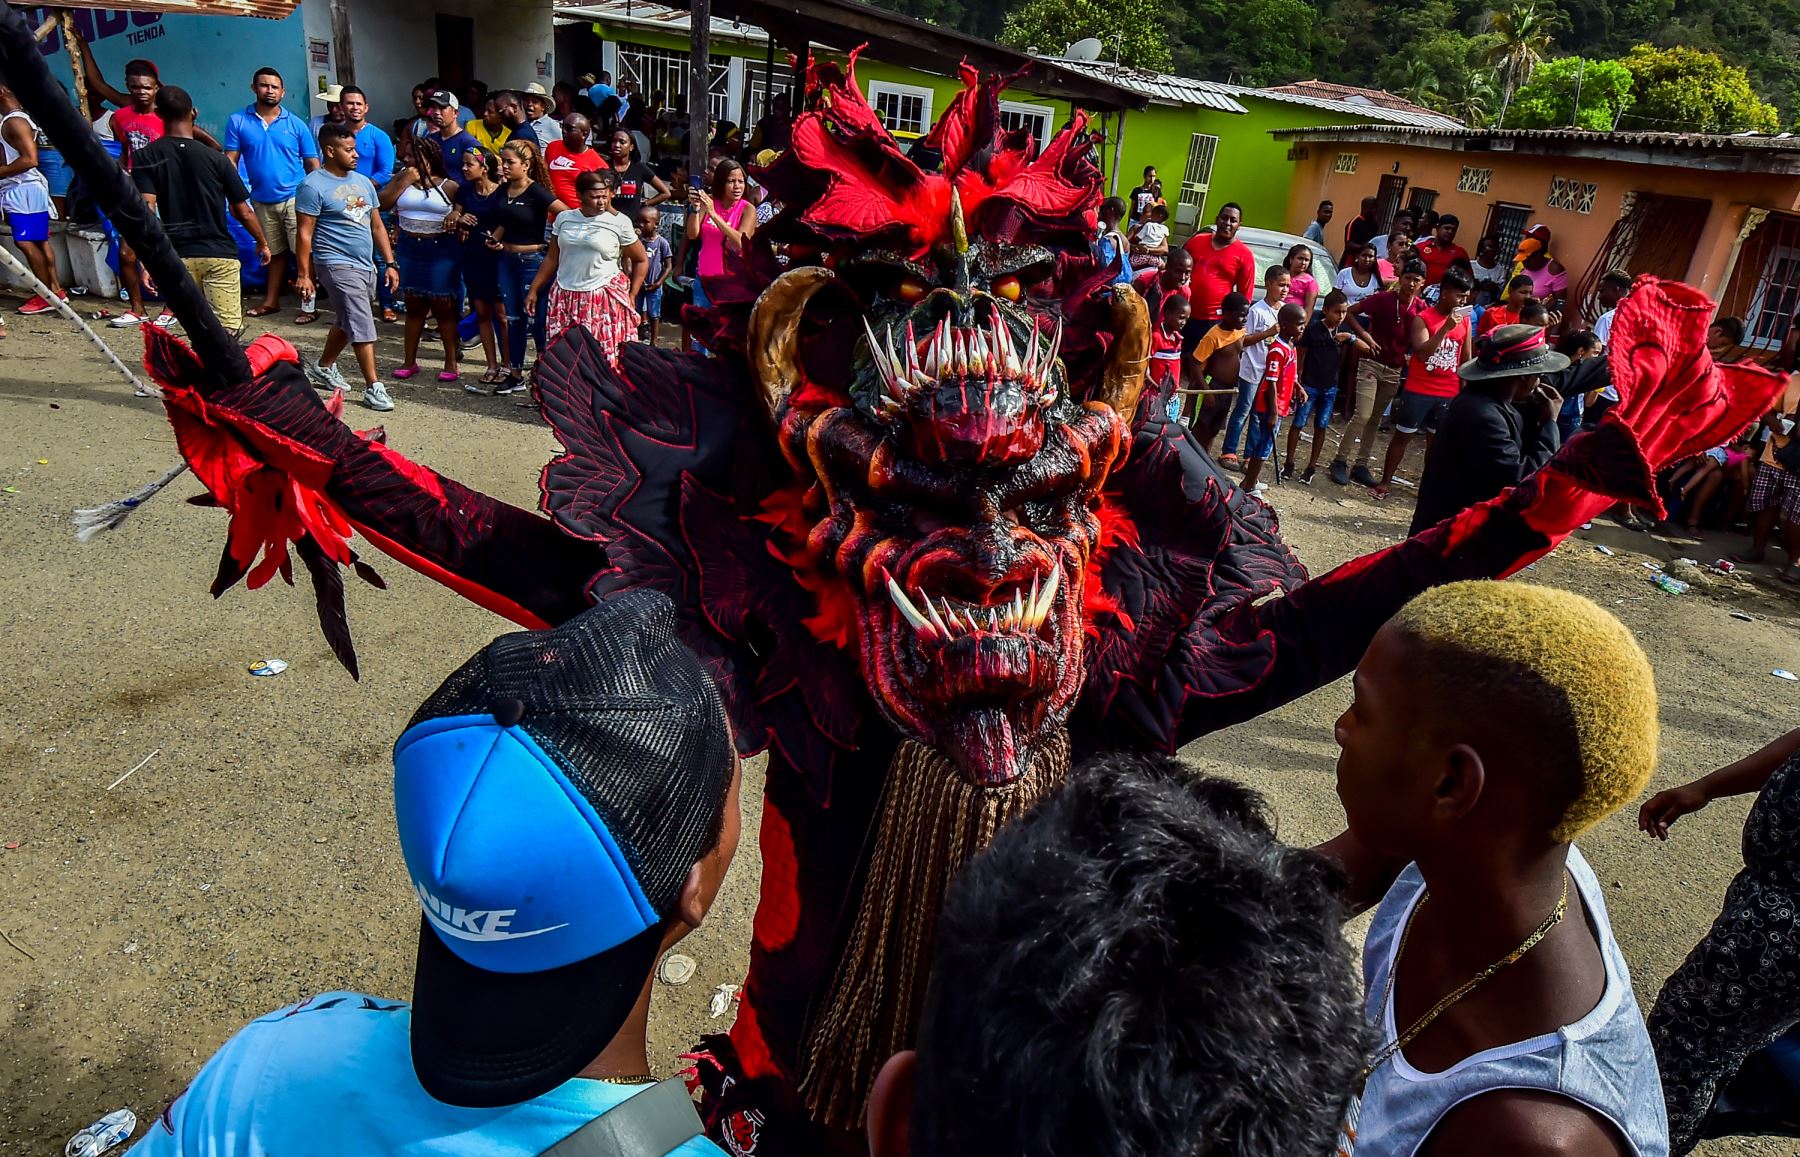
x,y
1234,662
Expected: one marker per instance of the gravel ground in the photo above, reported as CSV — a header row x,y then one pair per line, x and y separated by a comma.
x,y
252,859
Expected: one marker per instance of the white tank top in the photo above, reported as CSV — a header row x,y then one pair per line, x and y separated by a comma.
x,y
8,155
422,211
1602,1060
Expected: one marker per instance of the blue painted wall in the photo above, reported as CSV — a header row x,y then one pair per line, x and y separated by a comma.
x,y
212,57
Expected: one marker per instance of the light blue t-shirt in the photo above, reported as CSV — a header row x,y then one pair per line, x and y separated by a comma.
x,y
333,1075
344,207
274,155
599,92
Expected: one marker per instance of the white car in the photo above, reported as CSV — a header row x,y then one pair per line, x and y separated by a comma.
x,y
1271,248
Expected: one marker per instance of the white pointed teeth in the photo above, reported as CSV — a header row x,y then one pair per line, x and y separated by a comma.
x,y
905,362
1022,612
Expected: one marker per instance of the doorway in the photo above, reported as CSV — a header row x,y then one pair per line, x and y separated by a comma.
x,y
456,52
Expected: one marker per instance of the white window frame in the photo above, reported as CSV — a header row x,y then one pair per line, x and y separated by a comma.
x,y
1043,114
1782,310
1345,163
1475,180
1196,178
654,67
877,89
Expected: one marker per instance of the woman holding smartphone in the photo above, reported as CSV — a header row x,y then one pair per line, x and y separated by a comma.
x,y
476,199
720,220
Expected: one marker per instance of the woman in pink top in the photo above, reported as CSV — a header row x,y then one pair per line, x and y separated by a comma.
x,y
1549,280
1304,289
721,220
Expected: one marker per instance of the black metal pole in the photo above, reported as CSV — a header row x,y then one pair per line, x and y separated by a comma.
x,y
23,68
699,91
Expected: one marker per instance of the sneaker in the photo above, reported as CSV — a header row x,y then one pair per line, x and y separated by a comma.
x,y
375,396
1287,472
326,377
1307,477
513,386
37,304
125,320
1340,472
1363,476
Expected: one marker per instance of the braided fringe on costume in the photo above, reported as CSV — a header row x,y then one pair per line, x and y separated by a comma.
x,y
932,822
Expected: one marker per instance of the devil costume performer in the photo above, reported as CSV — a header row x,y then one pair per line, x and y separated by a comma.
x,y
914,518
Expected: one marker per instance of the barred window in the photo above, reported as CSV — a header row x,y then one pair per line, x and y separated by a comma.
x,y
904,109
1346,163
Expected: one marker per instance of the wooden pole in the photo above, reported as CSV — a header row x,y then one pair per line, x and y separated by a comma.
x,y
699,89
81,93
341,45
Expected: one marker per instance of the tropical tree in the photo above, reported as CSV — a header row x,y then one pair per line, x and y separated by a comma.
x,y
1526,34
1549,98
1137,30
1686,90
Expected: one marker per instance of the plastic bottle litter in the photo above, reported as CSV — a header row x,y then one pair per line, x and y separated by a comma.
x,y
1788,675
1743,617
1604,549
267,668
103,1135
1671,585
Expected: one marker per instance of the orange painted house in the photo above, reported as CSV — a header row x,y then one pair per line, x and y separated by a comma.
x,y
1719,212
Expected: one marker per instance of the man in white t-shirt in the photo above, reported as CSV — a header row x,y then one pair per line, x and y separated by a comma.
x,y
1615,287
1259,331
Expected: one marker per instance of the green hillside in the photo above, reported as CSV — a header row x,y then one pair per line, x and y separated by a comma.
x,y
1449,54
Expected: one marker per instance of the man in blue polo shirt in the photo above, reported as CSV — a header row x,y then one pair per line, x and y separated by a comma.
x,y
567,805
277,150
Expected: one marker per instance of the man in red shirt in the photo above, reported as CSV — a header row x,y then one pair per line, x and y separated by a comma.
x,y
1441,343
1440,250
1386,343
1223,265
570,157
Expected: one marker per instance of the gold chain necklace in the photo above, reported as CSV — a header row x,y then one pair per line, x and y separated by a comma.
x,y
645,1079
1468,986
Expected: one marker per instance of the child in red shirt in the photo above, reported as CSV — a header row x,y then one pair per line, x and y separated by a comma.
x,y
1165,353
1274,394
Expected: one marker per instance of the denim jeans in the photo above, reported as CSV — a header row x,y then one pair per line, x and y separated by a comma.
x,y
516,273
1240,412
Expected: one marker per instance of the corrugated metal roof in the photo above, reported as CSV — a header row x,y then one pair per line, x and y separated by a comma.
x,y
1783,142
1156,85
266,9
637,14
1365,110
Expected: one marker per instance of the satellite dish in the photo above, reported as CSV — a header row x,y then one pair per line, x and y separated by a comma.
x,y
1088,48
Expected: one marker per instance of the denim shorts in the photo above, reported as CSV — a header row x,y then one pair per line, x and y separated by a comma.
x,y
55,170
430,265
1260,441
1318,408
649,302
1415,412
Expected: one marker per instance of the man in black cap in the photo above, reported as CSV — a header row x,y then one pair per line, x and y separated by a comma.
x,y
1498,430
568,806
440,112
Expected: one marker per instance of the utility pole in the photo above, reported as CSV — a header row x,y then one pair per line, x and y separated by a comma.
x,y
699,90
1575,113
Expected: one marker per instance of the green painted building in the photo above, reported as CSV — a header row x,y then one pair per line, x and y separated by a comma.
x,y
1209,142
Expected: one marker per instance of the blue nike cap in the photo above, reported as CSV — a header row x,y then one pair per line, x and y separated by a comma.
x,y
551,797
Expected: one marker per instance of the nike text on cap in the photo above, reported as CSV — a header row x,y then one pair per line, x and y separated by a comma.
x,y
551,798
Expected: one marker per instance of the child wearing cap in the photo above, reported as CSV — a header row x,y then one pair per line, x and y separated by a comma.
x,y
568,807
1492,723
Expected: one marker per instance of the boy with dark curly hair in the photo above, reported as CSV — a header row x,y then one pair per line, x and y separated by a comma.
x,y
1135,968
1492,724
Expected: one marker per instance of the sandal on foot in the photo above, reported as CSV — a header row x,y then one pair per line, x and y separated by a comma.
x,y
405,372
390,317
262,311
449,376
305,318
493,377
1379,493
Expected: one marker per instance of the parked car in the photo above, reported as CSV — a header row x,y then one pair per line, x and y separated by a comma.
x,y
1271,248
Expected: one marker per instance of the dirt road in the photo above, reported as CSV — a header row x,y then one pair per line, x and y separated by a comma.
x,y
252,859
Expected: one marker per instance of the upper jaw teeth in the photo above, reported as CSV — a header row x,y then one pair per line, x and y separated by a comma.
x,y
942,618
987,351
